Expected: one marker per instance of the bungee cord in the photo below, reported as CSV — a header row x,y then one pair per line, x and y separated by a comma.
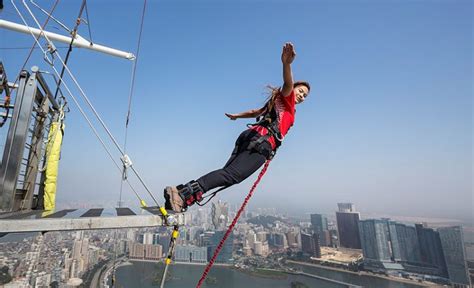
x,y
132,86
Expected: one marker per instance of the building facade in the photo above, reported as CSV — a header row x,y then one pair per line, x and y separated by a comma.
x,y
455,255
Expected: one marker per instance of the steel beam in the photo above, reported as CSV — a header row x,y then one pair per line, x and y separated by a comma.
x,y
12,225
78,40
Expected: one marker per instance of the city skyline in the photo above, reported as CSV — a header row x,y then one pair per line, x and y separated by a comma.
x,y
261,240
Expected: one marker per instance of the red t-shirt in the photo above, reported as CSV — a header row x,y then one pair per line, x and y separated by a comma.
x,y
285,110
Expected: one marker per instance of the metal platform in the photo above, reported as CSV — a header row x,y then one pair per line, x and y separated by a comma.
x,y
82,219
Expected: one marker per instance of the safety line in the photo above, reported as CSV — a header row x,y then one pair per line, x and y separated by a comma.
x,y
169,257
231,227
132,86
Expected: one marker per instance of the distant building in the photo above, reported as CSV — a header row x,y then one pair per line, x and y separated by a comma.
x,y
277,240
431,249
220,215
163,240
319,224
147,238
310,244
42,280
413,249
375,240
205,238
137,251
452,242
191,253
346,207
153,252
348,226
80,253
292,238
407,241
145,251
156,239
225,255
262,236
260,248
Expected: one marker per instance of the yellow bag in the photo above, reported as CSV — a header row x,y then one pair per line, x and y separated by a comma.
x,y
53,151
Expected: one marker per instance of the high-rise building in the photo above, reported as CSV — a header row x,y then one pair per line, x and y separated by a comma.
x,y
277,240
220,215
310,244
408,243
262,236
258,248
348,226
225,255
156,239
191,253
375,240
452,242
431,249
145,251
319,224
147,238
42,280
251,237
292,238
131,234
153,252
80,253
346,207
164,241
418,249
137,251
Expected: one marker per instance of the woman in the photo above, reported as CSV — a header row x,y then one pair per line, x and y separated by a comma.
x,y
254,146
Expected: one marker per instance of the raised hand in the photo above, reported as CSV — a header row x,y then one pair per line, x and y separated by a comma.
x,y
288,54
231,116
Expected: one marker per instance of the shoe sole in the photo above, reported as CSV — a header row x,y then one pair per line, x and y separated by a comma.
x,y
170,195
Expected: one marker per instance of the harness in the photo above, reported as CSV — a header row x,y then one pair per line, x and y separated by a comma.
x,y
269,120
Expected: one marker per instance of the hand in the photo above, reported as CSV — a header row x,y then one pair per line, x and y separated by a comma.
x,y
288,54
231,116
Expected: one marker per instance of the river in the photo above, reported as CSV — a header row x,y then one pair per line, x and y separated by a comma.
x,y
144,275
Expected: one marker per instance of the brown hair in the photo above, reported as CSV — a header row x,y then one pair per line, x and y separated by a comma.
x,y
274,91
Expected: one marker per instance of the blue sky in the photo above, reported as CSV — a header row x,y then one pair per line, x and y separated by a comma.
x,y
387,126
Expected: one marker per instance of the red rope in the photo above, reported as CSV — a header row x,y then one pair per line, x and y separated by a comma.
x,y
231,227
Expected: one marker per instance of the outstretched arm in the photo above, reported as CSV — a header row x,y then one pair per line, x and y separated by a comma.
x,y
287,56
247,114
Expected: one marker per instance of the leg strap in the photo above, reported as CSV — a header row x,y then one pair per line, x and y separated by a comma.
x,y
190,192
262,146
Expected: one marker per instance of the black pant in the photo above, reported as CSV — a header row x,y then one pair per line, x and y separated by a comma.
x,y
241,164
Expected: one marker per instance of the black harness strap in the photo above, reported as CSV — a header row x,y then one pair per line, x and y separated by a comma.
x,y
270,121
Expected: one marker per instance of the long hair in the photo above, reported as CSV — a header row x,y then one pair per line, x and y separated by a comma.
x,y
274,91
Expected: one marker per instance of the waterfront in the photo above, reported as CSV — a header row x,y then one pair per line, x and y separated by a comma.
x,y
144,274
356,279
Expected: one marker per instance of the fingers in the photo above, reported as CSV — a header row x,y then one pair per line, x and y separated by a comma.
x,y
231,116
289,49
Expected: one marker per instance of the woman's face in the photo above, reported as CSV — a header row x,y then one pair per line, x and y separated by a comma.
x,y
301,91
